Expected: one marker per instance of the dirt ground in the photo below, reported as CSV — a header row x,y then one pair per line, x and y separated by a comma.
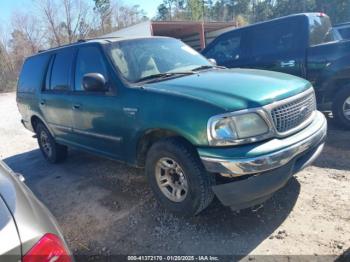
x,y
105,207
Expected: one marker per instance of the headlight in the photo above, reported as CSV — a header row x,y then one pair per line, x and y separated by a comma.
x,y
233,129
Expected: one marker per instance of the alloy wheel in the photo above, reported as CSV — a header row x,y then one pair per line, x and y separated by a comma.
x,y
171,179
346,108
45,143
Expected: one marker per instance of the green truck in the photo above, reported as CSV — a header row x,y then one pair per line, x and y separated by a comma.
x,y
197,129
303,45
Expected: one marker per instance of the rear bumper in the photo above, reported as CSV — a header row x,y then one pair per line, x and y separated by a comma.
x,y
269,172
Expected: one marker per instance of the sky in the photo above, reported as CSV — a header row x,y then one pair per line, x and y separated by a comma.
x,y
8,6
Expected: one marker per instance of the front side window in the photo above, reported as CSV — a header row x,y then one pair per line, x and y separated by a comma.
x,y
61,68
89,60
141,58
226,49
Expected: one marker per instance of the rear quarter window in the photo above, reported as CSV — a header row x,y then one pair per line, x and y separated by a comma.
x,y
33,73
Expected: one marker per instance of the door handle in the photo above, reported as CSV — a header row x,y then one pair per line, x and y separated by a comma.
x,y
76,106
290,63
42,102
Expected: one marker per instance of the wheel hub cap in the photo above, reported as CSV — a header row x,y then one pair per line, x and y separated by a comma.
x,y
346,108
45,143
171,179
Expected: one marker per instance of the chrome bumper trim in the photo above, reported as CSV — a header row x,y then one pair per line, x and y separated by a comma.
x,y
245,166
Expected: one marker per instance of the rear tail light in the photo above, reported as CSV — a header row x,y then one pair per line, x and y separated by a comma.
x,y
49,248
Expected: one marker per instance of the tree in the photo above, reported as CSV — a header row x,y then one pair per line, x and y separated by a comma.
x,y
49,14
163,12
104,9
195,9
7,71
75,13
338,10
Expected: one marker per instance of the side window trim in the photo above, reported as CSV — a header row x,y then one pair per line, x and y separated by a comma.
x,y
46,87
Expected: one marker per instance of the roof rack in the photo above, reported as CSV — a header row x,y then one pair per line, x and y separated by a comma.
x,y
97,38
77,42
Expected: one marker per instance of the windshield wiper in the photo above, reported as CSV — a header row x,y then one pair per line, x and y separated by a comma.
x,y
203,67
163,75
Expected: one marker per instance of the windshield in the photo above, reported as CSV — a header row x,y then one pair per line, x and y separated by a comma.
x,y
141,58
320,30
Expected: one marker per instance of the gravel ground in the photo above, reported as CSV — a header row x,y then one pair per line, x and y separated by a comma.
x,y
105,207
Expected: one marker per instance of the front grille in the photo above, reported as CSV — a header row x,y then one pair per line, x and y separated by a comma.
x,y
293,113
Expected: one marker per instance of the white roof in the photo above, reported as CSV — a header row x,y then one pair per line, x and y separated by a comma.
x,y
143,29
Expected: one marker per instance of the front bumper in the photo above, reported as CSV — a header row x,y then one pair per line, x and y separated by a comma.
x,y
269,171
310,137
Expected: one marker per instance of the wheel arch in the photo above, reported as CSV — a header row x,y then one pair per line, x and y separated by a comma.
x,y
35,120
151,136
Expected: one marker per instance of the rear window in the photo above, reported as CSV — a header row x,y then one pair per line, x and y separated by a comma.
x,y
345,32
320,30
33,73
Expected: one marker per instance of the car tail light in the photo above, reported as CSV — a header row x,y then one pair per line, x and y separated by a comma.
x,y
49,248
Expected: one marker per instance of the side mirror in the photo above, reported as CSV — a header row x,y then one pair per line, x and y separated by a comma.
x,y
213,61
94,82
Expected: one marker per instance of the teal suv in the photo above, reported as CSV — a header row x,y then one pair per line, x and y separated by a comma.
x,y
197,129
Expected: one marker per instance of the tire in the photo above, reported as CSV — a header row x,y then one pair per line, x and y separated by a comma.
x,y
197,194
338,107
53,152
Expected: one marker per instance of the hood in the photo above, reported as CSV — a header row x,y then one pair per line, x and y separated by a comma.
x,y
234,89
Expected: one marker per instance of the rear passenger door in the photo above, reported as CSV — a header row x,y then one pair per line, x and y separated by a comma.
x,y
228,50
97,115
55,101
279,46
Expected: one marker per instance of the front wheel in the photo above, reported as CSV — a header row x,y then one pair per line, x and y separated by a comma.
x,y
341,108
53,152
177,177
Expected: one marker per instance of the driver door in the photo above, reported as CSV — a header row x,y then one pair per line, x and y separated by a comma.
x,y
97,115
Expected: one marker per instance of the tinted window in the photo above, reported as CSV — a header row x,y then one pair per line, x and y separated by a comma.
x,y
33,73
89,60
226,49
61,69
345,32
320,30
276,37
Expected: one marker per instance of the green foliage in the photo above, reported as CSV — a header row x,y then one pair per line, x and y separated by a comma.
x,y
163,12
250,10
195,9
102,6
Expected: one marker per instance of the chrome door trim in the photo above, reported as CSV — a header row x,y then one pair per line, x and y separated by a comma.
x,y
97,135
